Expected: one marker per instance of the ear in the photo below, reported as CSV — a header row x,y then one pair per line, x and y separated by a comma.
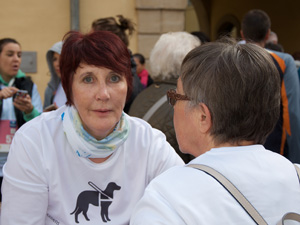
x,y
204,118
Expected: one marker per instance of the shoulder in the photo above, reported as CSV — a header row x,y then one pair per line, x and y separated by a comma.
x,y
188,177
283,55
141,127
43,123
38,139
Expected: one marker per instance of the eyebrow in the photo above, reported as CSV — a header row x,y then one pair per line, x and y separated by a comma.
x,y
12,51
85,74
115,73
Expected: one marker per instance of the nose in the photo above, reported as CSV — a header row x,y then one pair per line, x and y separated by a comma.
x,y
56,63
102,92
17,58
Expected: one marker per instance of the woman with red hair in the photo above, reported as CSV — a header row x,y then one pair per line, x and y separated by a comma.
x,y
89,153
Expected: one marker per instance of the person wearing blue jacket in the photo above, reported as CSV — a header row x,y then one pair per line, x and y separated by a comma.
x,y
285,138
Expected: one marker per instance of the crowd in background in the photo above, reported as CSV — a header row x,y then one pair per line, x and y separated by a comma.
x,y
109,130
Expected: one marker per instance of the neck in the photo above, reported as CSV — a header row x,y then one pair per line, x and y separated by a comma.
x,y
6,78
261,44
240,143
99,160
212,144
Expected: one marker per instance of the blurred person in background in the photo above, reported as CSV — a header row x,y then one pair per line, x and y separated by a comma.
x,y
142,73
16,108
202,36
55,96
165,61
296,56
285,138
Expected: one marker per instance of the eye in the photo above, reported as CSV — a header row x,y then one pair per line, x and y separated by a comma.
x,y
88,79
115,78
19,54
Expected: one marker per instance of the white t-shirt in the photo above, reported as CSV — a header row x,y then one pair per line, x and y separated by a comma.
x,y
60,97
45,182
184,195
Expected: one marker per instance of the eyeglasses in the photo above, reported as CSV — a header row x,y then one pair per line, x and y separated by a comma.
x,y
173,97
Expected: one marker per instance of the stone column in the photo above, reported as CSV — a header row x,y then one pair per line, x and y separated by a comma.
x,y
156,17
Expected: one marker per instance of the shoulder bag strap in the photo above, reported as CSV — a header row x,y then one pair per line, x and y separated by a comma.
x,y
298,171
291,215
240,198
155,107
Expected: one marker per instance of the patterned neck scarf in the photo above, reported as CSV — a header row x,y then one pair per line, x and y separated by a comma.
x,y
87,146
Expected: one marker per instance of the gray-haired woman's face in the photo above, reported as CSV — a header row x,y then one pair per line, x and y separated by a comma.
x,y
185,123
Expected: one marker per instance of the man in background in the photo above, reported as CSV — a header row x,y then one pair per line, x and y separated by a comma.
x,y
285,138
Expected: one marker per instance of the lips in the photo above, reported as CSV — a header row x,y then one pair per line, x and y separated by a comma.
x,y
15,67
102,111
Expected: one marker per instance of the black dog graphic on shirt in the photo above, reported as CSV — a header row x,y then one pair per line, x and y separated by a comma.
x,y
92,197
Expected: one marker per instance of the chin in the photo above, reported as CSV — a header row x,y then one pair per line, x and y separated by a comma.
x,y
183,150
186,151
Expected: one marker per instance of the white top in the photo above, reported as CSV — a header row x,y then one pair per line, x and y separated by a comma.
x,y
44,179
184,195
60,98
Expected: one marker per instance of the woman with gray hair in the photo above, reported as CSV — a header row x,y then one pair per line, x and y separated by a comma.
x,y
226,103
165,60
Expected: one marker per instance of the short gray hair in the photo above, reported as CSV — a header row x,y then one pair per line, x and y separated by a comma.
x,y
239,84
168,52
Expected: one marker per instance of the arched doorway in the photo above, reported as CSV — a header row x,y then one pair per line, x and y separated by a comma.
x,y
228,25
202,10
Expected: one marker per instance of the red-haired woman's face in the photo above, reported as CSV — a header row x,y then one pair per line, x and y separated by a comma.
x,y
99,95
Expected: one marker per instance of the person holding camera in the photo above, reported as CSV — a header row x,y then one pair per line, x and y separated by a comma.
x,y
19,97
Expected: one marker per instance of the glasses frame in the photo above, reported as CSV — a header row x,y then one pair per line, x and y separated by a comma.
x,y
173,97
